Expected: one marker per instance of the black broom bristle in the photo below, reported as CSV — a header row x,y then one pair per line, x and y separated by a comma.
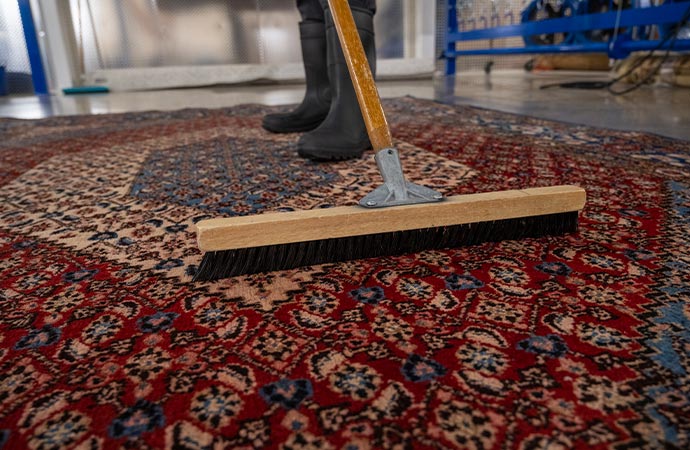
x,y
229,263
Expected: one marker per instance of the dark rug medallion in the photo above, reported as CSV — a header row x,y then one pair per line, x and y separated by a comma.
x,y
580,341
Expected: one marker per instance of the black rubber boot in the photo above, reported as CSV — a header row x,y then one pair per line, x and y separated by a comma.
x,y
317,98
343,134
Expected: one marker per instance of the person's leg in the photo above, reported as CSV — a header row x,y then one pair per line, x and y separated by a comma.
x,y
342,135
316,103
310,10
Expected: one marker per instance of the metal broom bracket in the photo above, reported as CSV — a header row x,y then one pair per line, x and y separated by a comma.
x,y
395,189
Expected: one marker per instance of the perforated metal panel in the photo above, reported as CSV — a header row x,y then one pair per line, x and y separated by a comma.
x,y
480,14
13,54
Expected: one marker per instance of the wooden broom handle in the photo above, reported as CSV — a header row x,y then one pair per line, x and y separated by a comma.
x,y
360,73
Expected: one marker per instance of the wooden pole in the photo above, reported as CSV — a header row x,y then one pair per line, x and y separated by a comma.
x,y
360,73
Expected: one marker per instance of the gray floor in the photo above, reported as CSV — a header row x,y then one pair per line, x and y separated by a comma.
x,y
658,109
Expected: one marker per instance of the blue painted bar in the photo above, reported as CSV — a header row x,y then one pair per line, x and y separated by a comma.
x,y
663,14
680,44
37,72
452,29
579,48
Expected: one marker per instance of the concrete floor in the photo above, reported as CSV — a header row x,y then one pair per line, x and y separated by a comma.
x,y
658,109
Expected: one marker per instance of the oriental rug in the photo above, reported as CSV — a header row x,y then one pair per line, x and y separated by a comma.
x,y
577,341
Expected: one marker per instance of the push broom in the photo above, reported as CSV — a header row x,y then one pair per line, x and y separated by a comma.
x,y
396,218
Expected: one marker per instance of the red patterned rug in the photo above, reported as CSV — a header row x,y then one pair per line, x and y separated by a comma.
x,y
580,341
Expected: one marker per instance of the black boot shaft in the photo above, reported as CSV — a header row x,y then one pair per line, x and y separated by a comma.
x,y
343,134
314,50
317,99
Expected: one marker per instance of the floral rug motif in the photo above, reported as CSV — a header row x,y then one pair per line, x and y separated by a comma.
x,y
578,341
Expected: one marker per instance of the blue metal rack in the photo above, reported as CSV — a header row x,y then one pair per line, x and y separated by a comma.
x,y
37,72
575,28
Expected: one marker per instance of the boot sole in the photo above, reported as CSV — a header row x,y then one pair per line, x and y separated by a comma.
x,y
295,129
320,155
